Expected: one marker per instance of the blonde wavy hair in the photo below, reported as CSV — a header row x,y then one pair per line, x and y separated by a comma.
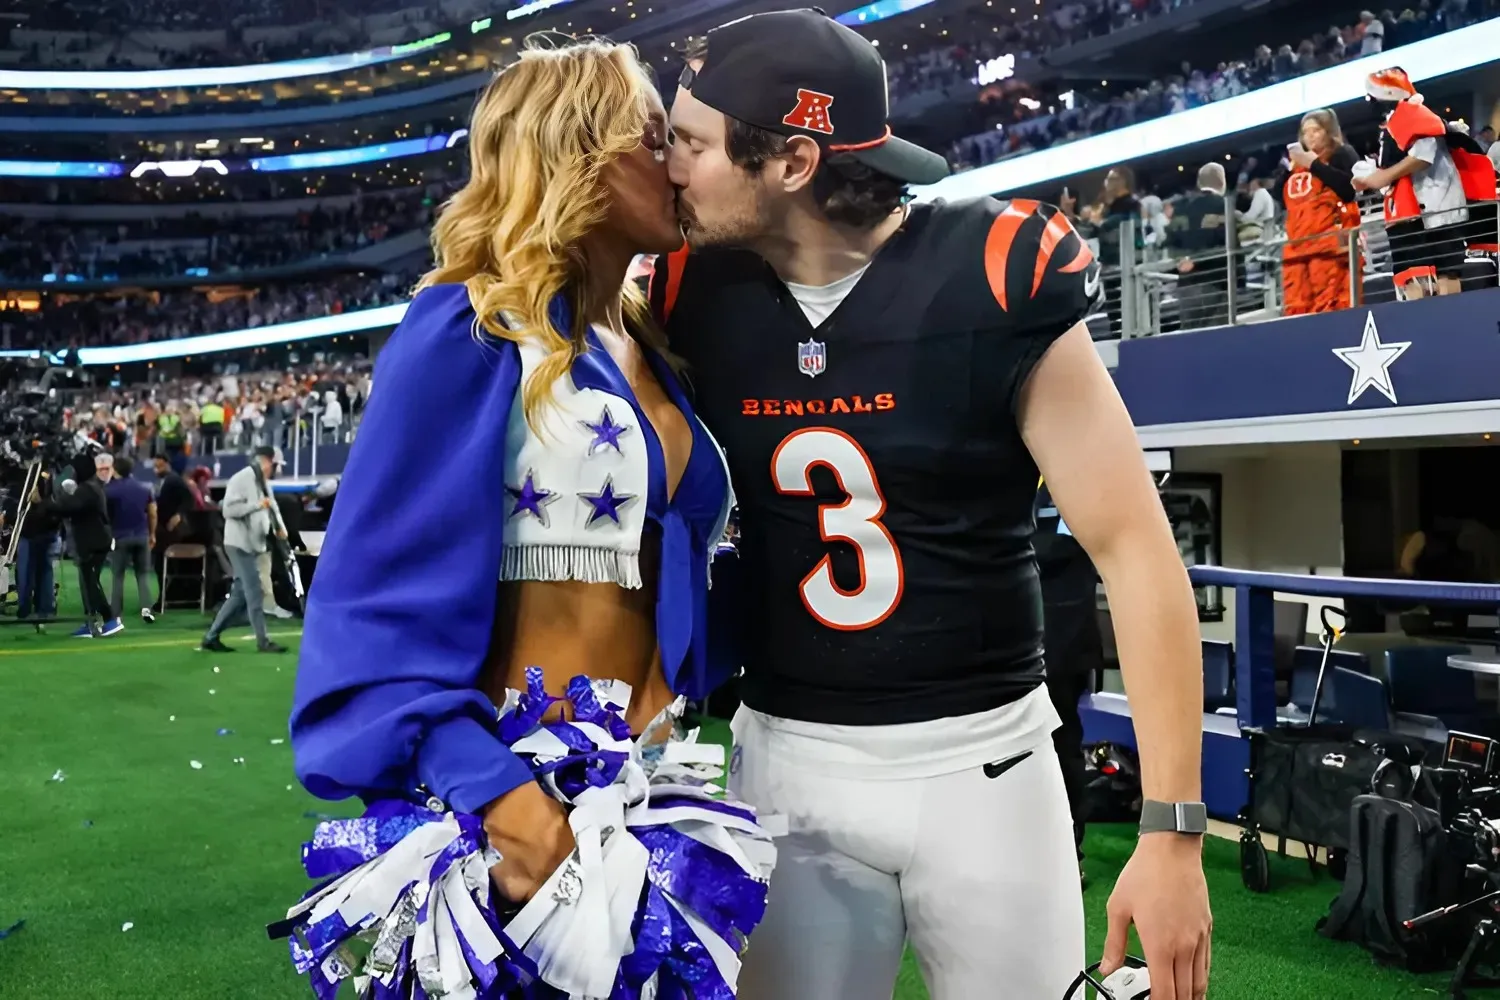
x,y
542,132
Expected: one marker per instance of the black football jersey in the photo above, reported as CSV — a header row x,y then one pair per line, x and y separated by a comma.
x,y
885,494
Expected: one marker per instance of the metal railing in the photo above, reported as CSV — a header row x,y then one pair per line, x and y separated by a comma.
x,y
299,435
1260,274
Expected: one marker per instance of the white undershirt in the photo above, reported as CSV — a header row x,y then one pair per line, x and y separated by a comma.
x,y
819,301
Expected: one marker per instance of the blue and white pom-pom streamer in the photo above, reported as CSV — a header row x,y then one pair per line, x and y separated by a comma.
x,y
666,883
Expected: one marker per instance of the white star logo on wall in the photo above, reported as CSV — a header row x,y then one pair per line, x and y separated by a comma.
x,y
1371,362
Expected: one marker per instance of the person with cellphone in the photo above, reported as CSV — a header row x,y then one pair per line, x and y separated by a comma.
x,y
1321,211
247,529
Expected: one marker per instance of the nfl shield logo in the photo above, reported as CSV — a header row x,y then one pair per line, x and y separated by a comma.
x,y
812,358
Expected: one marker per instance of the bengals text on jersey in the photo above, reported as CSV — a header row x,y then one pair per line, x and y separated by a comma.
x,y
885,492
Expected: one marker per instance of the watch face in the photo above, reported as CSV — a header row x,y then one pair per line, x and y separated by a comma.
x,y
1192,817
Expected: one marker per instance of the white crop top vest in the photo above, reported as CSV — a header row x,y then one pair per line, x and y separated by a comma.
x,y
577,495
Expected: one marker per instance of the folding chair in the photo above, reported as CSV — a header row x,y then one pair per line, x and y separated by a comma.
x,y
185,552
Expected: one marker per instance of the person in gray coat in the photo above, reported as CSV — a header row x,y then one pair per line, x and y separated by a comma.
x,y
248,523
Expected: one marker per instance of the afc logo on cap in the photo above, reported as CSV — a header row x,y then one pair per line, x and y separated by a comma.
x,y
811,112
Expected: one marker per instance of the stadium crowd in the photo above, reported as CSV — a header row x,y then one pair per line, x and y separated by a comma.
x,y
201,245
323,27
134,317
1006,126
240,187
1066,24
237,409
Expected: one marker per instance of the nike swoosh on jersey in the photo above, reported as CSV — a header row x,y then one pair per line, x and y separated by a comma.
x,y
1091,285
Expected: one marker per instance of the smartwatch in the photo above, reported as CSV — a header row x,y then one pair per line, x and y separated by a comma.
x,y
1174,817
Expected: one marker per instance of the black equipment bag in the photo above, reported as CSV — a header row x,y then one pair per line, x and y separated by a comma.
x,y
1399,866
1111,783
1304,780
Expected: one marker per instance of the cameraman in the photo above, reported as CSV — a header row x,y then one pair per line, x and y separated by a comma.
x,y
34,555
86,509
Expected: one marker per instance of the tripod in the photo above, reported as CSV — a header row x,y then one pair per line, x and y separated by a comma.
x,y
9,567
1481,949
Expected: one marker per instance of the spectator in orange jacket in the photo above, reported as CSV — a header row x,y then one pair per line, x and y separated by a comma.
x,y
1320,212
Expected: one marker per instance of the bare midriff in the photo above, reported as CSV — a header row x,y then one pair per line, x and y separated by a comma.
x,y
600,630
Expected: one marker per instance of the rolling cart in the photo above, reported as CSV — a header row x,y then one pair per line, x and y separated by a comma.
x,y
1304,778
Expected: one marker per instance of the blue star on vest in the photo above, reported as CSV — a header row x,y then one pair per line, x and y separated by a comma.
x,y
606,503
530,499
606,432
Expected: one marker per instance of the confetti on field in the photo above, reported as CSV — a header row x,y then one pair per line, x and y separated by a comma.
x,y
212,691
6,932
196,765
126,926
277,741
289,788
171,718
317,815
216,669
225,732
87,823
58,775
239,760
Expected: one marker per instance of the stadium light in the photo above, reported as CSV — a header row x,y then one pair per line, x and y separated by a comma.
x,y
359,321
208,76
1433,57
532,8
60,168
878,11
178,168
995,70
319,160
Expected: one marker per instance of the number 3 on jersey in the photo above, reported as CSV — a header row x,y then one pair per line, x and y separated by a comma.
x,y
856,521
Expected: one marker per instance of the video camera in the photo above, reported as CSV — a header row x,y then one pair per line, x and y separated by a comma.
x,y
34,436
1465,792
32,415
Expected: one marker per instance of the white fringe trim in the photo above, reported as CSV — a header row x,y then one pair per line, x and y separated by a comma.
x,y
554,563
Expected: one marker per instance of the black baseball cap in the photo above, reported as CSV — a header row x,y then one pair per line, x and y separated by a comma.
x,y
800,72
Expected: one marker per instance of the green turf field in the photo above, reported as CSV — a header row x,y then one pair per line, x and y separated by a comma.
x,y
198,860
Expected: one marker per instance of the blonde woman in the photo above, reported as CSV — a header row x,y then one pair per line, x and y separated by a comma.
x,y
513,589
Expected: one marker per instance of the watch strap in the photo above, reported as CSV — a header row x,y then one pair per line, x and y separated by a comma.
x,y
1173,817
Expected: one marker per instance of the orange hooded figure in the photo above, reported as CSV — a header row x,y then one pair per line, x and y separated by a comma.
x,y
1442,213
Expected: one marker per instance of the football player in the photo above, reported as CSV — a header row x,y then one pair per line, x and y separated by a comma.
x,y
887,379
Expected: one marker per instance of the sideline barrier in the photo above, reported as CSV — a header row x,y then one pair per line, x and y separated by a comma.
x,y
1226,752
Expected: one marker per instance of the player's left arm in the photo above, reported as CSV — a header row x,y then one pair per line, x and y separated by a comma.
x,y
1080,434
1081,437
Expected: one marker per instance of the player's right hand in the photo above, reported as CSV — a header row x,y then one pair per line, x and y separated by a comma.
x,y
265,503
530,830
